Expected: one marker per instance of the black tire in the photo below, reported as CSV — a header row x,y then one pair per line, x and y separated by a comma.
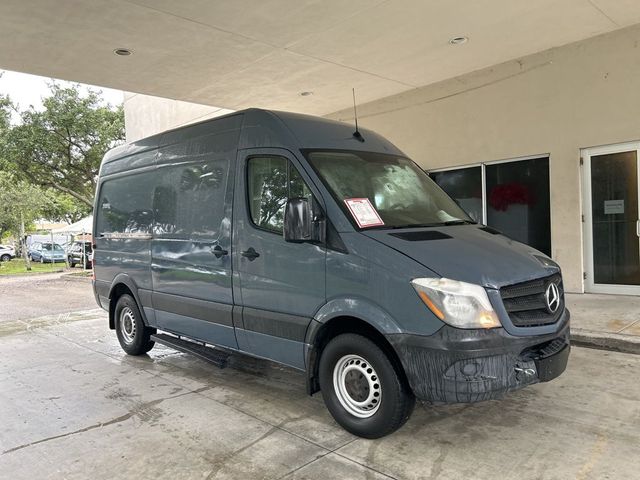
x,y
71,263
5,258
42,260
127,311
396,398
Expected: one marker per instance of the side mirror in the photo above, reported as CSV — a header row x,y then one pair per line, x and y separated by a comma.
x,y
303,222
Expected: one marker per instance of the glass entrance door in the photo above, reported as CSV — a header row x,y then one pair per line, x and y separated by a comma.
x,y
612,220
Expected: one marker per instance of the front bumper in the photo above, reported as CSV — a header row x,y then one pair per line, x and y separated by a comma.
x,y
463,366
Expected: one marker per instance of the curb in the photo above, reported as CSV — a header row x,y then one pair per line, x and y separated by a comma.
x,y
76,278
605,341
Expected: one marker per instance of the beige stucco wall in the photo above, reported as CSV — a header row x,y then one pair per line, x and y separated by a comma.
x,y
146,115
555,102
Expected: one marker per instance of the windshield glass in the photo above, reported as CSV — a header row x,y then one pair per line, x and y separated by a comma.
x,y
402,194
56,247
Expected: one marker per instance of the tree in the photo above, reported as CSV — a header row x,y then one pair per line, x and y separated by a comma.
x,y
20,204
62,207
61,147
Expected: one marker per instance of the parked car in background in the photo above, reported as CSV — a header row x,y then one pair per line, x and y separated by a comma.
x,y
7,252
46,252
80,253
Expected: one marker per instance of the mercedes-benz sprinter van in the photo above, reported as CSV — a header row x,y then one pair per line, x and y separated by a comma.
x,y
295,239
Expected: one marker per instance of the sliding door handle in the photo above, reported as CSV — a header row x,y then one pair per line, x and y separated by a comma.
x,y
218,251
638,228
251,254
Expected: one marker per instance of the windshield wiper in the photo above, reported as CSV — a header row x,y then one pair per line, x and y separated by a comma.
x,y
408,225
424,225
459,222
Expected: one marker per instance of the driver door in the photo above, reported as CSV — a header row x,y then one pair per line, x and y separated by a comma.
x,y
280,285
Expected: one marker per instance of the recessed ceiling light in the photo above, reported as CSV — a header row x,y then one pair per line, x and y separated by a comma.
x,y
305,94
458,40
123,52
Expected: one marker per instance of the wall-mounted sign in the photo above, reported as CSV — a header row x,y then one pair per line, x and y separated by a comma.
x,y
612,207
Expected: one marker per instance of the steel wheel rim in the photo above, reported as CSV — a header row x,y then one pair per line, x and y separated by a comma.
x,y
127,325
357,386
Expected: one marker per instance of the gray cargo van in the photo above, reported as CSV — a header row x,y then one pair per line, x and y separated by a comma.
x,y
295,239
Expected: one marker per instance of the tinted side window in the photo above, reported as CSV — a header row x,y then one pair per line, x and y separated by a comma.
x,y
124,204
189,199
271,181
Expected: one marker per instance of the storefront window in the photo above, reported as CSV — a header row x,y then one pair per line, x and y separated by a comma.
x,y
516,197
464,185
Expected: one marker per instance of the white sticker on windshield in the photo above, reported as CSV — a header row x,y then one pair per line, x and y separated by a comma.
x,y
363,212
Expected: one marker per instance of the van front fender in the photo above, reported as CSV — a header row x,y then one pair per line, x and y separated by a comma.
x,y
359,308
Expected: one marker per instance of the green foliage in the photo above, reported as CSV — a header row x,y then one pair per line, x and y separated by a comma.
x,y
19,201
62,207
60,148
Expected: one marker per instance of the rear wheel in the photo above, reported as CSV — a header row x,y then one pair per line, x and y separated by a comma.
x,y
133,334
361,387
70,262
5,258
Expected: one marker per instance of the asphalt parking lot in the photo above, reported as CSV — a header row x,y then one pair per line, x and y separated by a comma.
x,y
73,405
35,295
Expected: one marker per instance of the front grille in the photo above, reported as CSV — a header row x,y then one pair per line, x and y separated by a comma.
x,y
526,304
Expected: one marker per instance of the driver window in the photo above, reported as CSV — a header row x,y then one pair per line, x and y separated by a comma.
x,y
271,181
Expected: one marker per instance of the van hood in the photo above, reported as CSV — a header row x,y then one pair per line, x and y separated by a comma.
x,y
469,253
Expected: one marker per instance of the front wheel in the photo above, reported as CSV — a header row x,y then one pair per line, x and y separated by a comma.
x,y
5,258
363,390
133,334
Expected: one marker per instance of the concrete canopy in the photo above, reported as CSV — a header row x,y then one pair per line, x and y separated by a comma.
x,y
243,53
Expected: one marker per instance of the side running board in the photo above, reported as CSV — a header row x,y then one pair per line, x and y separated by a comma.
x,y
219,358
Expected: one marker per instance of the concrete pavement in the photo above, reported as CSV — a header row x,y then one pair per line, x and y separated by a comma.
x,y
73,405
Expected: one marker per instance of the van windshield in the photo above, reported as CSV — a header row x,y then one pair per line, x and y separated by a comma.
x,y
402,193
56,247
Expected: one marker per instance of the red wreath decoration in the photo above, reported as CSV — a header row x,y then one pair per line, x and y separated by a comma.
x,y
502,196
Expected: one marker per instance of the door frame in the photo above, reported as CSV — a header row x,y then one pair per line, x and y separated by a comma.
x,y
587,225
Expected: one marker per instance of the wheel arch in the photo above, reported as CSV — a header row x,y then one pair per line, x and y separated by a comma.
x,y
121,285
327,326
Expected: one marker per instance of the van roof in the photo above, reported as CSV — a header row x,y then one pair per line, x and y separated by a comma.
x,y
257,128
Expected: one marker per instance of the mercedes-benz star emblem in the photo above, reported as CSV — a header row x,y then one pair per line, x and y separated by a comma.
x,y
552,296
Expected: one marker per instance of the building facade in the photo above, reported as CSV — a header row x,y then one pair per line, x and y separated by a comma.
x,y
544,148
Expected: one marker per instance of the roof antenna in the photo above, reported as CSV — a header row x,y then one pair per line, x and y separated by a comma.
x,y
357,135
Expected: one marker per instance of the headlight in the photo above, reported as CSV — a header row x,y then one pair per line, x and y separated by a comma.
x,y
460,304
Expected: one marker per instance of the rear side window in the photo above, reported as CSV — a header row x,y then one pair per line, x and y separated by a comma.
x,y
271,181
124,204
189,199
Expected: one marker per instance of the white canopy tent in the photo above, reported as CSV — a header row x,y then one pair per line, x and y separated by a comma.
x,y
81,226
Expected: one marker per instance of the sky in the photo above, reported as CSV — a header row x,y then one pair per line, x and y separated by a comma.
x,y
25,89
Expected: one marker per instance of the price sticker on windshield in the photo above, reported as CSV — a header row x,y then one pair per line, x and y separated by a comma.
x,y
363,212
